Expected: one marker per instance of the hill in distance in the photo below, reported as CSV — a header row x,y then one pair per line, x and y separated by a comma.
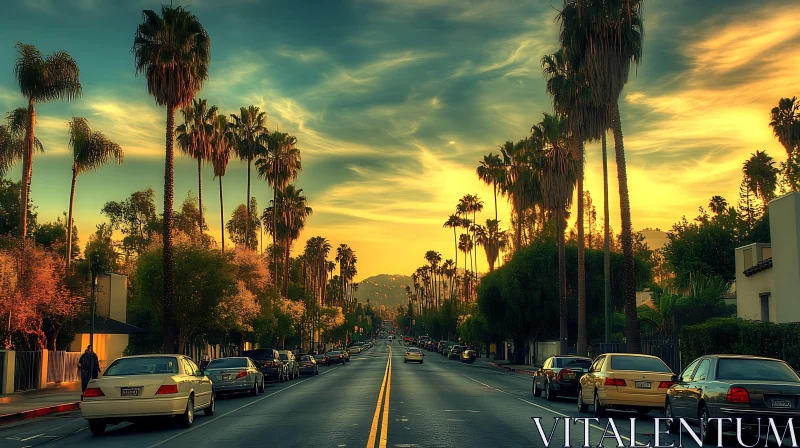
x,y
384,289
655,238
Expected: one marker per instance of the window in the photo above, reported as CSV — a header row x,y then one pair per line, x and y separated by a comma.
x,y
765,307
142,366
227,363
702,371
598,364
547,363
638,363
755,370
687,374
573,363
748,258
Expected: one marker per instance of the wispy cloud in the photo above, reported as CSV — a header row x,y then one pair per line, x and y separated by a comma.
x,y
302,54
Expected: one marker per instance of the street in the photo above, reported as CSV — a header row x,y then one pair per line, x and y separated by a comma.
x,y
439,403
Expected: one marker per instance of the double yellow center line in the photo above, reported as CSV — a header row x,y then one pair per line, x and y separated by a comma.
x,y
383,397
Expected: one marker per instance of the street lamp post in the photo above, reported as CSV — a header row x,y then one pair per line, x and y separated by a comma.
x,y
95,264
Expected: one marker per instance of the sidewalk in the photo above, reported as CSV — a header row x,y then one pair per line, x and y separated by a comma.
x,y
36,403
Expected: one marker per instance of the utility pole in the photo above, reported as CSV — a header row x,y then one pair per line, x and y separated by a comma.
x,y
95,264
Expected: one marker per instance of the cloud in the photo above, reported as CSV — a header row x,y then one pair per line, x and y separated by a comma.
x,y
303,54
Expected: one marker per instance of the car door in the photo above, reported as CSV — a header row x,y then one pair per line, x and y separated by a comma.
x,y
693,390
202,385
677,394
589,381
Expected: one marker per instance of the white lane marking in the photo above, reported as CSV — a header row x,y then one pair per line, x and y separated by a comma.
x,y
237,409
31,437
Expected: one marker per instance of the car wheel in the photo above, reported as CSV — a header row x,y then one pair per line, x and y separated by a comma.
x,y
536,391
405,361
599,410
548,392
316,372
672,426
262,386
708,431
209,411
97,427
582,407
188,417
254,391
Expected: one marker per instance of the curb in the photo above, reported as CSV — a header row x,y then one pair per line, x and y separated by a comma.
x,y
512,369
34,413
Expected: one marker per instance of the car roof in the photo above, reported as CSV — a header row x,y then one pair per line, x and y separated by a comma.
x,y
638,355
572,357
231,357
762,358
155,355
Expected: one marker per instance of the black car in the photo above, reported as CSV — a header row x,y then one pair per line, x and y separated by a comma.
x,y
560,376
268,362
335,357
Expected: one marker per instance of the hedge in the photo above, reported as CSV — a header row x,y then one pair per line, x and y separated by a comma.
x,y
741,337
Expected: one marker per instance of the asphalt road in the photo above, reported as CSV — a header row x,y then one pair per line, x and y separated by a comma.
x,y
438,403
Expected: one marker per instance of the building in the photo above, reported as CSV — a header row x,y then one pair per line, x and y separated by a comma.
x,y
768,275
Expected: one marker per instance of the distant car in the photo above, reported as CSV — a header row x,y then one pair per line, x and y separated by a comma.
x,y
335,357
308,365
356,349
321,359
414,355
290,364
730,387
468,356
133,387
268,362
560,376
235,375
455,352
346,353
391,338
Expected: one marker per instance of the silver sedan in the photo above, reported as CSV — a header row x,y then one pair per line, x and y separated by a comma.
x,y
235,375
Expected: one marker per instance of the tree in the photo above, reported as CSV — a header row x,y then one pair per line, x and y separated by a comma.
x,y
294,212
187,218
522,187
222,144
762,176
173,51
251,137
493,241
53,236
242,232
195,137
454,222
90,151
9,208
717,204
492,172
604,38
136,218
40,81
101,244
13,140
785,124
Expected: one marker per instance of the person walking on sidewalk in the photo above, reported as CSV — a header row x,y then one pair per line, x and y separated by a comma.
x,y
89,366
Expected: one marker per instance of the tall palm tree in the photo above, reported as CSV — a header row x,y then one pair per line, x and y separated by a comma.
x,y
90,151
280,166
475,206
222,142
41,80
762,176
294,212
465,245
194,138
454,222
521,186
717,205
493,241
14,139
250,129
345,258
604,38
558,172
491,172
785,123
173,51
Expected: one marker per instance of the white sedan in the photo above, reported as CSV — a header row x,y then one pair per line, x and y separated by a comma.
x,y
133,387
414,355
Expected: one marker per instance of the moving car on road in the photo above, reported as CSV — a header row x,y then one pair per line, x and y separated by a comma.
x,y
455,352
414,355
468,356
335,357
235,375
308,365
289,364
133,387
625,381
321,359
731,387
268,362
560,376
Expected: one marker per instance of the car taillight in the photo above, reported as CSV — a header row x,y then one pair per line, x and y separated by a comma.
x,y
665,384
341,356
167,389
615,382
738,395
408,353
93,392
241,374
274,363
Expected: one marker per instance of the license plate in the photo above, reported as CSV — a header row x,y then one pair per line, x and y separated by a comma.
x,y
643,384
568,375
129,392
226,376
781,403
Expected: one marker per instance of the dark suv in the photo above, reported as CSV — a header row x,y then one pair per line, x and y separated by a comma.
x,y
268,362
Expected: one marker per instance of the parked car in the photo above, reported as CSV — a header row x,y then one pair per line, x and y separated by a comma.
x,y
455,352
346,353
335,357
625,381
356,349
414,355
468,356
237,374
145,386
308,365
730,386
560,376
268,362
321,359
290,364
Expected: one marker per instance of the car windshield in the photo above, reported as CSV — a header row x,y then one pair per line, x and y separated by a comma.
x,y
306,358
333,353
284,357
573,363
227,363
755,369
259,354
639,363
143,366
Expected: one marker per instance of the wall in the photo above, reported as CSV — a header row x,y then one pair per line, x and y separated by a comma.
x,y
108,347
784,226
545,350
111,295
748,289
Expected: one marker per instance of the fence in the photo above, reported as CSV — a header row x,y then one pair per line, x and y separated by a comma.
x,y
666,349
62,367
27,371
2,371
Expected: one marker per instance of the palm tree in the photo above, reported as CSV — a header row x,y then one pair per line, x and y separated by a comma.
x,y
762,176
194,138
294,211
41,80
604,38
90,151
454,222
250,129
13,139
522,187
493,241
492,172
475,206
345,257
280,167
718,205
465,245
558,172
173,51
222,143
785,123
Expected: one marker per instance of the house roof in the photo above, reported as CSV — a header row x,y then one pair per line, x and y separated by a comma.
x,y
105,325
760,266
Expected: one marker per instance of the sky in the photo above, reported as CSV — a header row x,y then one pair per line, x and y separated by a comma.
x,y
394,103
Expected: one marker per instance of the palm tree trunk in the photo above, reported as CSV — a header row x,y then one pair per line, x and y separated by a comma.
x,y
286,263
606,247
455,243
475,243
275,233
582,342
494,184
562,288
247,205
169,175
200,195
69,218
27,171
632,333
519,230
221,215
